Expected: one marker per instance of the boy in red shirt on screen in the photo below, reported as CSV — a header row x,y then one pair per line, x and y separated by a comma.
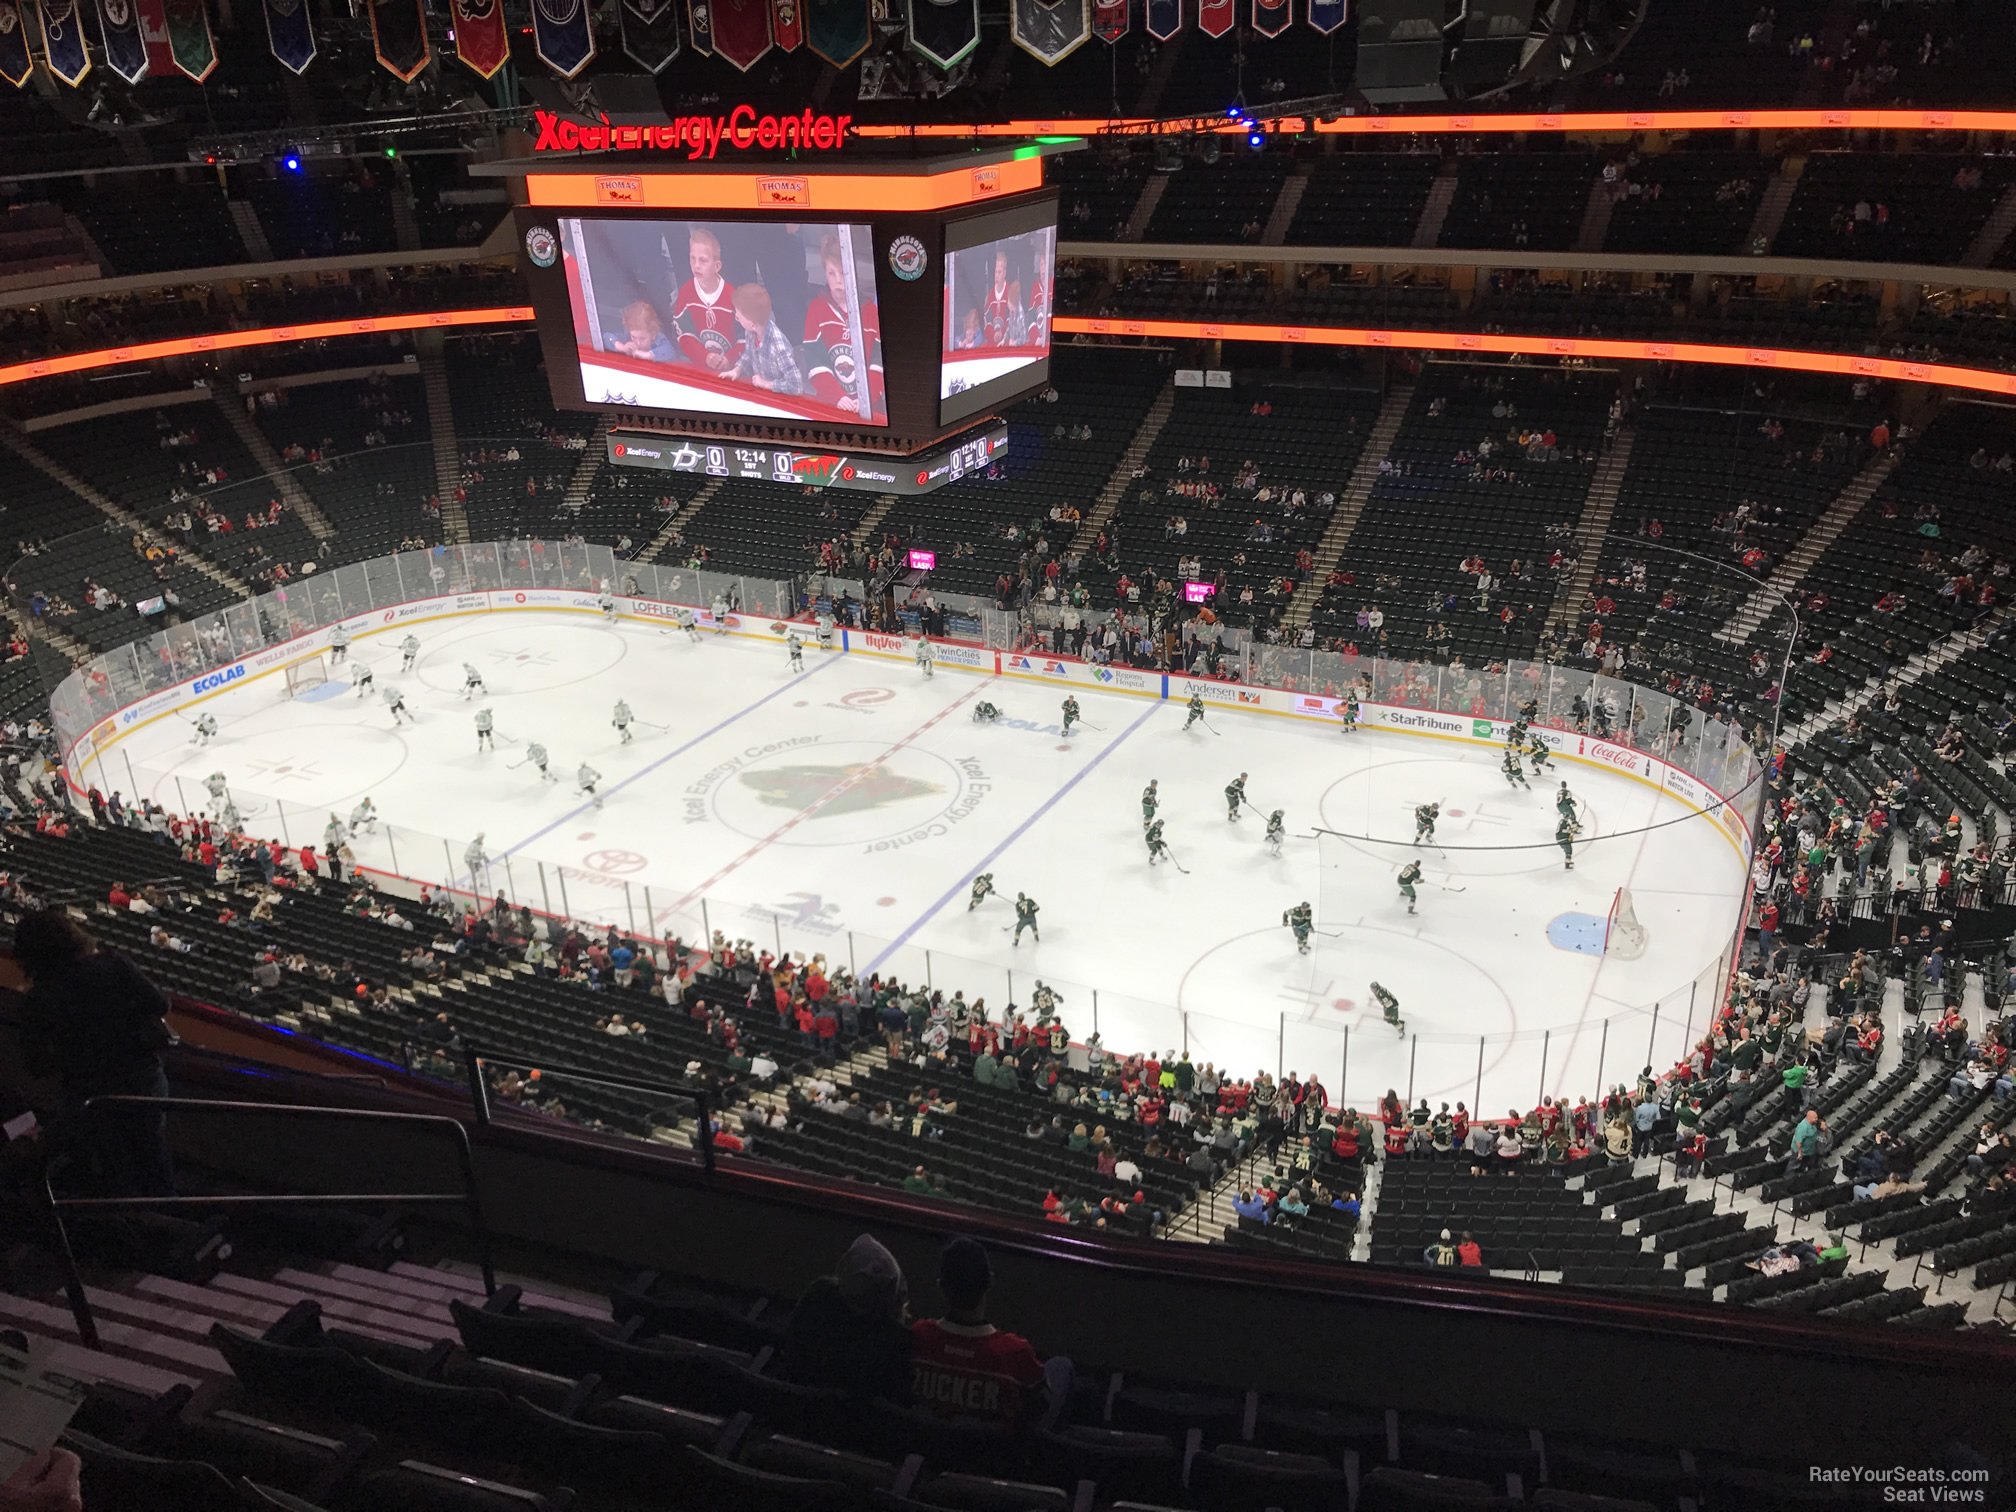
x,y
703,311
963,1366
836,363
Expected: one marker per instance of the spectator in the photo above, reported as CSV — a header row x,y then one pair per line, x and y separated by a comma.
x,y
1805,1149
1441,1252
851,1329
1468,1251
92,1020
965,1367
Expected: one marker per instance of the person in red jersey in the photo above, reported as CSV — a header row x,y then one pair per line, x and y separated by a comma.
x,y
703,311
834,362
963,1366
1005,320
1036,332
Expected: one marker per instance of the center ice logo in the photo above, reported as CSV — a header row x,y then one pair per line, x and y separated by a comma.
x,y
853,789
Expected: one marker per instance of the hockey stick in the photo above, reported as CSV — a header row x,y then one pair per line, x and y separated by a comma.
x,y
1209,726
1091,726
513,766
1174,862
661,729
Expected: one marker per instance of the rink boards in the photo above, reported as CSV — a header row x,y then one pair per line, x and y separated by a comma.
x,y
1062,673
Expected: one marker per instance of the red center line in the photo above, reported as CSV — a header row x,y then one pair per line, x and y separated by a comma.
x,y
851,780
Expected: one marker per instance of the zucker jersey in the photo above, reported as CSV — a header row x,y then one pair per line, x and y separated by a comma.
x,y
1038,333
1003,318
971,1370
833,360
707,326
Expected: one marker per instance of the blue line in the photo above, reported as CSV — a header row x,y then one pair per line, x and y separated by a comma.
x,y
1013,835
574,814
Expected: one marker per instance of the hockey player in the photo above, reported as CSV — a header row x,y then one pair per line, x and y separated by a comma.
x,y
1153,835
1425,815
339,645
797,649
1196,711
474,857
1235,795
217,788
486,727
606,602
985,713
1564,836
1151,800
364,817
335,833
472,681
1347,710
1564,803
536,754
720,612
927,659
230,818
585,779
395,705
1537,753
1070,714
982,885
621,719
685,621
1025,918
1409,875
1277,831
409,652
822,629
1389,1009
206,729
1515,774
364,680
1302,919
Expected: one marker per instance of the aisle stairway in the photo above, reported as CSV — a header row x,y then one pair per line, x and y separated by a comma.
x,y
1351,501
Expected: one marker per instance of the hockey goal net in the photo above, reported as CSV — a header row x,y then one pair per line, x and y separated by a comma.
x,y
1623,935
311,672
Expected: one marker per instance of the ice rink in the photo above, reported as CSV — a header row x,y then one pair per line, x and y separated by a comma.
x,y
846,810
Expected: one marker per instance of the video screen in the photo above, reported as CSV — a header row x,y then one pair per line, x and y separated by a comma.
x,y
727,318
997,309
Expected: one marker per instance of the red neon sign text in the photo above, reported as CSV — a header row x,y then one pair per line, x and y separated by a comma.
x,y
697,136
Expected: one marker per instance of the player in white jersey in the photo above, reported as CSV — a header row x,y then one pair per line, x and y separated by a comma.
x,y
364,818
409,652
364,678
339,645
472,681
206,729
335,832
395,705
486,727
585,780
720,612
926,658
685,620
797,649
475,858
606,602
536,754
822,629
621,719
217,787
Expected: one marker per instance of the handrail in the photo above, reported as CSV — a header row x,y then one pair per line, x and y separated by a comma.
x,y
474,1059
73,1281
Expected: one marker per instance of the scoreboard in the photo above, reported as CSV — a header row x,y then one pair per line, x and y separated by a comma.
x,y
879,299
871,472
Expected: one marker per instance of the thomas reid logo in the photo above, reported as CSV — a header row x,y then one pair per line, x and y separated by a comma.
x,y
907,258
542,247
218,679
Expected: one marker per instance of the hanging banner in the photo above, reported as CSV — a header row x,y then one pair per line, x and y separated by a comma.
x,y
399,33
289,32
650,32
700,26
16,64
1272,17
836,30
1109,20
1327,15
787,25
120,40
945,31
741,31
562,36
63,41
1215,17
191,46
1164,18
1052,29
481,41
